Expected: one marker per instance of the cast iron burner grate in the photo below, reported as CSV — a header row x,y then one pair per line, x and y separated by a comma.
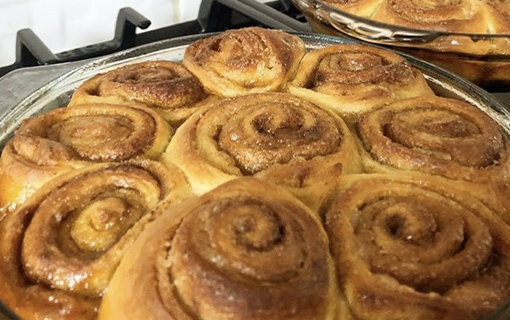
x,y
214,15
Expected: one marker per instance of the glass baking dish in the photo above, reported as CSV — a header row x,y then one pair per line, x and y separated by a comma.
x,y
57,93
484,59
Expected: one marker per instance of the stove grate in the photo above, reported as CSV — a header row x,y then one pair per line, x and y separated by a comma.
x,y
213,16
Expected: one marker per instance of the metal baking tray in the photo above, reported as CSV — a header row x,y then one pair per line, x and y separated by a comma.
x,y
57,93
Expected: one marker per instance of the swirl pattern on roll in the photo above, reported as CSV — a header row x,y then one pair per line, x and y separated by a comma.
x,y
351,79
463,16
94,132
67,138
258,135
238,252
435,135
61,247
412,247
164,86
248,60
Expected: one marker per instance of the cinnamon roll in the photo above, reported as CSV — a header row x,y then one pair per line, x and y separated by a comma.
x,y
273,136
60,248
411,248
246,250
351,79
243,61
435,135
165,86
463,16
47,145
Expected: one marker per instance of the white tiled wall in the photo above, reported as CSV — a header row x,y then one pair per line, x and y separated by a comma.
x,y
68,24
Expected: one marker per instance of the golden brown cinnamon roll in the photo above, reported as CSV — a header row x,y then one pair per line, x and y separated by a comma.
x,y
274,136
246,250
464,16
439,136
60,248
248,60
351,79
165,86
68,138
406,247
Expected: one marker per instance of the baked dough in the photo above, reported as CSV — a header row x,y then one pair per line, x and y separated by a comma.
x,y
243,61
61,247
351,79
414,247
164,86
246,250
273,136
64,139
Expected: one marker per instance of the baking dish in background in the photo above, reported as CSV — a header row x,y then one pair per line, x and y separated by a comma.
x,y
484,59
58,92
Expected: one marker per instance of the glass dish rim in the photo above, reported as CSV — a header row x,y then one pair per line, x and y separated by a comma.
x,y
383,33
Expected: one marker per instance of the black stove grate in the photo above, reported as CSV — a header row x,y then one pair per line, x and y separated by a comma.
x,y
213,16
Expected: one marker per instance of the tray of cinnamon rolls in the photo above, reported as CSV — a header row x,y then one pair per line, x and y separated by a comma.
x,y
256,174
468,37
